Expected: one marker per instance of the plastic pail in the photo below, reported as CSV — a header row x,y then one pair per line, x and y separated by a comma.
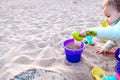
x,y
73,55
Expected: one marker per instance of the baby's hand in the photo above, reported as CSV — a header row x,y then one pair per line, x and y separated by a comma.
x,y
83,33
101,51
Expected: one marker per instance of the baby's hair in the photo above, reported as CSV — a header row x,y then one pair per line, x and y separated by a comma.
x,y
114,3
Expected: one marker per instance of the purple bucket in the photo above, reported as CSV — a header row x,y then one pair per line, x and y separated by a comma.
x,y
73,55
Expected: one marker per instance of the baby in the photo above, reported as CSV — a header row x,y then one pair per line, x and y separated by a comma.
x,y
111,10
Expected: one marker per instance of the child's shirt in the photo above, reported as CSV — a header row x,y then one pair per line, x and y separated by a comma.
x,y
111,33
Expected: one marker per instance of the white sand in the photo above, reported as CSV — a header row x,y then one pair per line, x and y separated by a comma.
x,y
32,31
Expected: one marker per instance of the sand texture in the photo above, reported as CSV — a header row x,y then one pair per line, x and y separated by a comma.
x,y
32,33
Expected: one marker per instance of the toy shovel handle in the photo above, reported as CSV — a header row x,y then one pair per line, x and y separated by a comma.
x,y
77,36
91,33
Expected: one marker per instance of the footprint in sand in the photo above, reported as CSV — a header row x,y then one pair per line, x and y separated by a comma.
x,y
22,59
46,62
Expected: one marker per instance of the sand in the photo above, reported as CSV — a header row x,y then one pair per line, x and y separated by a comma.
x,y
32,33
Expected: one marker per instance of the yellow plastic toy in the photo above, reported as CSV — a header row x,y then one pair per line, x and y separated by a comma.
x,y
105,24
98,73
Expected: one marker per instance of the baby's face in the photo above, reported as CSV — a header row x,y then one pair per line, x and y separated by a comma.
x,y
111,14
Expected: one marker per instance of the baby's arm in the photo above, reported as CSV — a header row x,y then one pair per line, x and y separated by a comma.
x,y
110,33
109,45
106,48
